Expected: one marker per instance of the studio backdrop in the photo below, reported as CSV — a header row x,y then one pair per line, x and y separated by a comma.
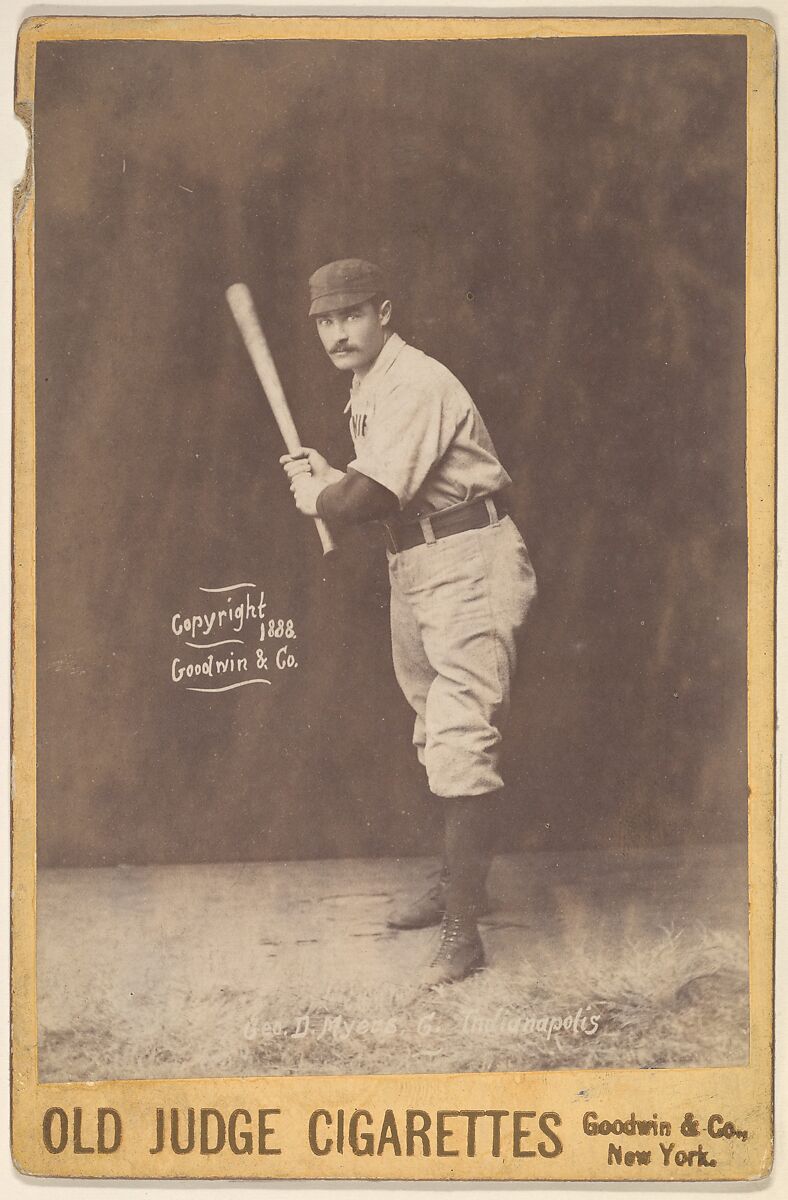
x,y
562,224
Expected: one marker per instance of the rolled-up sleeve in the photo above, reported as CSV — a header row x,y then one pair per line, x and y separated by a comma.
x,y
411,432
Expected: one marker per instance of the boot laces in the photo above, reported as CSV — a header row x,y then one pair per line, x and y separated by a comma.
x,y
456,928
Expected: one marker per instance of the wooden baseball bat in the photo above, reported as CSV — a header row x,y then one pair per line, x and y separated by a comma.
x,y
242,305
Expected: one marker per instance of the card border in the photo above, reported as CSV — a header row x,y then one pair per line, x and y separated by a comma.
x,y
748,1092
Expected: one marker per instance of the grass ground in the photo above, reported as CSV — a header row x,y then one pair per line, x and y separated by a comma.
x,y
288,968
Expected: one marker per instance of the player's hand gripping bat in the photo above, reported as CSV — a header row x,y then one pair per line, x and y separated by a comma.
x,y
242,305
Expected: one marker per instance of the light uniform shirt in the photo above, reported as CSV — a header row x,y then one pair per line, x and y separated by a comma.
x,y
417,432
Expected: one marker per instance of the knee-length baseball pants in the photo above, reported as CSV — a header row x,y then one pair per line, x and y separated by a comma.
x,y
457,606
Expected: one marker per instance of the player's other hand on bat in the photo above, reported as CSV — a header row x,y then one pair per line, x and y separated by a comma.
x,y
308,473
307,461
306,489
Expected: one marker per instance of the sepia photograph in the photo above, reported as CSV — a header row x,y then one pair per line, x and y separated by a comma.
x,y
432,801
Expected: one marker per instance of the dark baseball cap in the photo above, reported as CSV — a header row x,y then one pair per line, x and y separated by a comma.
x,y
342,284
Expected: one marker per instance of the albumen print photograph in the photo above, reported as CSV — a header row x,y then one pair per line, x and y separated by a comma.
x,y
391,556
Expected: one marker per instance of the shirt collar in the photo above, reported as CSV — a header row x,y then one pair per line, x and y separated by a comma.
x,y
391,349
384,360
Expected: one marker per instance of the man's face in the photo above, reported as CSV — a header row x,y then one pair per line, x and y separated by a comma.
x,y
354,337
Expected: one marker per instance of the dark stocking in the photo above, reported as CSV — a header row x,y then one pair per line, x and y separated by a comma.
x,y
470,827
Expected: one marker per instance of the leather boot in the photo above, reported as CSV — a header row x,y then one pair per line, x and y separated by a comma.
x,y
460,952
469,833
427,909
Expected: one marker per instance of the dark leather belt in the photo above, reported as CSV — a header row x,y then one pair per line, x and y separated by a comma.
x,y
474,515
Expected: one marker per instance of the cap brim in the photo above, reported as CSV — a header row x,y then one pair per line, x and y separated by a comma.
x,y
336,301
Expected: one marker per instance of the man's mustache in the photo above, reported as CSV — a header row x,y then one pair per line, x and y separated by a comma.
x,y
342,346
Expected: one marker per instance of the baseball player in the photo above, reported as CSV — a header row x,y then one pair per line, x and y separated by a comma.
x,y
461,579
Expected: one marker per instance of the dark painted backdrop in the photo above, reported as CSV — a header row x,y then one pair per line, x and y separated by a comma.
x,y
562,223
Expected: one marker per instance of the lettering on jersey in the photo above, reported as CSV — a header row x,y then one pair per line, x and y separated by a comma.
x,y
358,425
